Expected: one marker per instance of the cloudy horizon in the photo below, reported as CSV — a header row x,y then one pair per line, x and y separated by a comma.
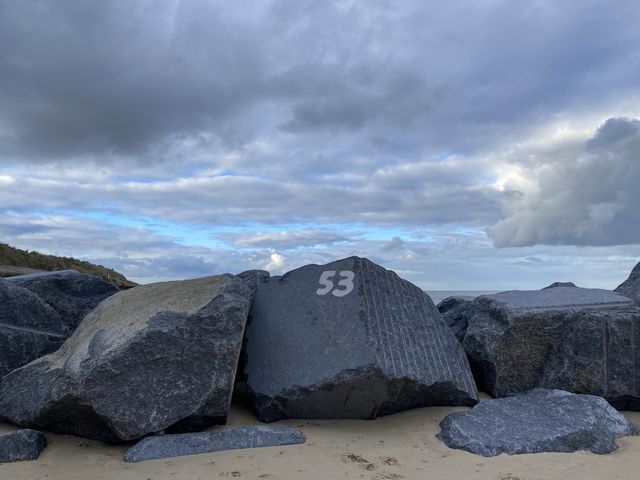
x,y
468,146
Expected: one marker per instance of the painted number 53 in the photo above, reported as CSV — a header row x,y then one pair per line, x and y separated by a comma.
x,y
344,287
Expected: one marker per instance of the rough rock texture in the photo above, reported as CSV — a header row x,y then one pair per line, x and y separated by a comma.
x,y
166,446
455,312
561,284
539,421
631,286
21,445
576,339
252,278
155,357
350,340
70,293
29,328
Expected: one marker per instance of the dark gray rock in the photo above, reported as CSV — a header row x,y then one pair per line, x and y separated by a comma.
x,y
166,446
455,312
29,328
21,445
70,293
252,278
561,284
631,286
575,339
155,357
540,421
350,340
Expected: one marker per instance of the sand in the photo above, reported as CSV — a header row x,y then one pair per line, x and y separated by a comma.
x,y
394,447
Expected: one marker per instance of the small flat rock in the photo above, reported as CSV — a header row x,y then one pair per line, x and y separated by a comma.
x,y
166,446
21,445
539,421
152,358
575,339
349,340
631,286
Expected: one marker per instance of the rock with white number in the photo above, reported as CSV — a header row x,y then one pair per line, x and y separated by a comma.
x,y
539,421
350,340
21,446
631,286
568,338
155,357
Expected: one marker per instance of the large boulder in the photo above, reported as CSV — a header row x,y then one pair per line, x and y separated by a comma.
x,y
70,293
156,357
29,328
576,339
21,445
631,286
539,421
167,446
350,340
455,312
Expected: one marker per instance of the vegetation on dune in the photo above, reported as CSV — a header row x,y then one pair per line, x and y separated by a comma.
x,y
14,261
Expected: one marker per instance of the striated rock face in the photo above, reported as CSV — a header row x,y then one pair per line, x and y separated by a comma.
x,y
575,339
350,340
455,312
70,293
631,286
167,446
539,421
155,357
21,445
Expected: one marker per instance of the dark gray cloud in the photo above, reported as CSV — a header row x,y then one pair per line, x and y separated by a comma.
x,y
590,198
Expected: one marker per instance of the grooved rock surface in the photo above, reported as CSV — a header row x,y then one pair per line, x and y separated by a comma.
x,y
455,312
21,445
631,286
575,339
539,421
166,446
350,340
155,357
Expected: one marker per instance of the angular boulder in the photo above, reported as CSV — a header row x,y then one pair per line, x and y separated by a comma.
x,y
575,339
349,340
167,446
539,421
29,328
455,311
631,286
21,445
70,293
153,358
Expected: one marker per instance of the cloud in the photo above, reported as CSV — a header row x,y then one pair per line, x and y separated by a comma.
x,y
289,240
577,196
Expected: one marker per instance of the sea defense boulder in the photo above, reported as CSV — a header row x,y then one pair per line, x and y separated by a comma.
x,y
167,446
350,340
575,339
70,293
455,312
39,311
539,421
631,286
153,358
21,445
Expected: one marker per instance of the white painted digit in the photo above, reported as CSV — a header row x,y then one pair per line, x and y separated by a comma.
x,y
346,282
327,285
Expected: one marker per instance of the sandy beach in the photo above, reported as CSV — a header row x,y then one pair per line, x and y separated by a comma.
x,y
393,447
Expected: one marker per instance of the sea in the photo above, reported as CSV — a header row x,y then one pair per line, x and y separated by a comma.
x,y
438,295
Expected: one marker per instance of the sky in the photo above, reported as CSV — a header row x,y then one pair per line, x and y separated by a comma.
x,y
466,145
